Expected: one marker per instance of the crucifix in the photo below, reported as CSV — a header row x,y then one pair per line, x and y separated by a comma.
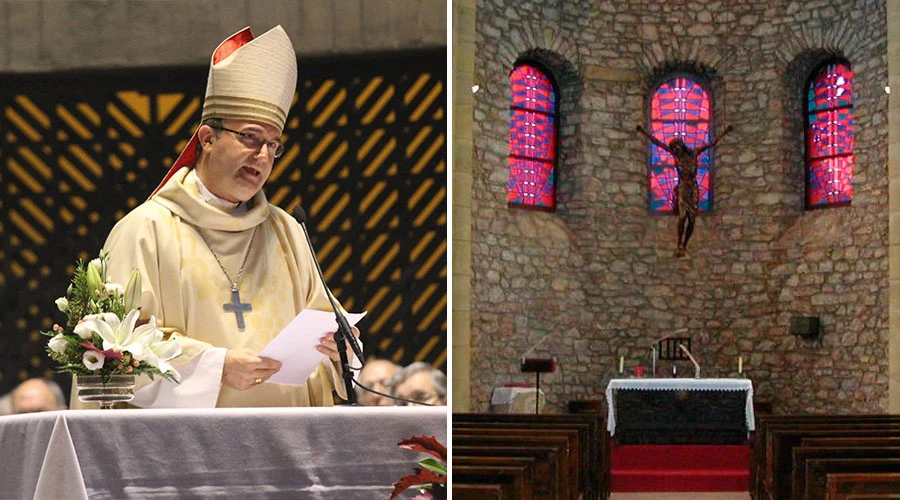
x,y
237,307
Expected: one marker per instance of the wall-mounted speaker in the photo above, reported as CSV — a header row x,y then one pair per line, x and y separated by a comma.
x,y
807,327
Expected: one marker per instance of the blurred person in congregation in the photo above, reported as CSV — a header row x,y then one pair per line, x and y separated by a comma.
x,y
375,376
33,395
419,383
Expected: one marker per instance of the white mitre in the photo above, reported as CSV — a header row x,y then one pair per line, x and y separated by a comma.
x,y
249,79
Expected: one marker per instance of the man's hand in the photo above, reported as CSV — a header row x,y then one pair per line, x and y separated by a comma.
x,y
328,346
244,369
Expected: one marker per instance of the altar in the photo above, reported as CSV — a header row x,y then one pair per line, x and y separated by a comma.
x,y
680,410
316,453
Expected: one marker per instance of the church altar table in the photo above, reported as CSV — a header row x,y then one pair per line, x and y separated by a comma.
x,y
315,453
680,410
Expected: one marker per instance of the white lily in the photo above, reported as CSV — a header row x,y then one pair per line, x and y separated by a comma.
x,y
58,343
94,278
93,360
119,336
85,328
133,290
158,352
100,265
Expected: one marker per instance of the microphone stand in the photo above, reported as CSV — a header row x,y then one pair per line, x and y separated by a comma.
x,y
343,332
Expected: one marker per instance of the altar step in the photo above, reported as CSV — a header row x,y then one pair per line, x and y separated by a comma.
x,y
680,468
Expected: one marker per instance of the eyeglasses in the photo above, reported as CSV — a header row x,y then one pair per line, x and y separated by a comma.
x,y
255,142
419,397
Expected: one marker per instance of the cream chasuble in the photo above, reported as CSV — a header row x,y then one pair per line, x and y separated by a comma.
x,y
184,287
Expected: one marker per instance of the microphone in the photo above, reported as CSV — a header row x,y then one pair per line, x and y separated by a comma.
x,y
696,364
343,325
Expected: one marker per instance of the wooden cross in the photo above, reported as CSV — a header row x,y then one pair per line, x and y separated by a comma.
x,y
237,307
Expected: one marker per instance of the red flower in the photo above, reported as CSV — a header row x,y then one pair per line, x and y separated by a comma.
x,y
423,476
109,353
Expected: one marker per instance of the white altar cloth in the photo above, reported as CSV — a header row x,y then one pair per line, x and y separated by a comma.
x,y
678,384
315,453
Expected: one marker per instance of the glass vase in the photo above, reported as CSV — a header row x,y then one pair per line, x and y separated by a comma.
x,y
92,389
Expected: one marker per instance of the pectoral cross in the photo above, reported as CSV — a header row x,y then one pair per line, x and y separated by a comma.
x,y
237,307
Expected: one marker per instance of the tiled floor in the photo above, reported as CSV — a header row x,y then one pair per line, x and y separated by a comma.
x,y
731,495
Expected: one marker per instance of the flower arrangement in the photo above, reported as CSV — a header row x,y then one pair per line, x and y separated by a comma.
x,y
431,478
103,334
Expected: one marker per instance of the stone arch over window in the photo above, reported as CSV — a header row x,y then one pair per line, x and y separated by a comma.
x,y
680,107
533,137
828,119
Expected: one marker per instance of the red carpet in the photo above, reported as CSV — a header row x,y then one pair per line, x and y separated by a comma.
x,y
680,467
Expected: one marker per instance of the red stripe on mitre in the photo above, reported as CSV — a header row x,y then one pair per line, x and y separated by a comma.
x,y
233,43
188,157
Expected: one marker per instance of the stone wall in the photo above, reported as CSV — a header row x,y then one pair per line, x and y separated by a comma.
x,y
598,275
52,35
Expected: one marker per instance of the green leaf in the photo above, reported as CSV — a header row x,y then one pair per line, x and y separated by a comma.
x,y
434,465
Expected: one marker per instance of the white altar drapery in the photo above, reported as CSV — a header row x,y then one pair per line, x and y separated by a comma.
x,y
315,453
679,384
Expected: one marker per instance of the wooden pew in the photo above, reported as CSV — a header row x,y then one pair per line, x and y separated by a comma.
x,y
566,459
761,466
851,441
550,479
485,464
584,446
503,435
516,480
779,461
772,445
842,486
806,485
593,441
467,491
760,438
817,470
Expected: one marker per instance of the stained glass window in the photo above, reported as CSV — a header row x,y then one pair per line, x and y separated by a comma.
x,y
679,108
829,136
533,124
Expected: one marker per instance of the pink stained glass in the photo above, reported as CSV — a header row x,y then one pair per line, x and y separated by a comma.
x,y
534,185
532,135
831,88
680,100
829,137
830,133
829,181
679,108
533,130
532,89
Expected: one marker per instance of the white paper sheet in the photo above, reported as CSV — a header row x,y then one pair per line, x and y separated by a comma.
x,y
295,345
